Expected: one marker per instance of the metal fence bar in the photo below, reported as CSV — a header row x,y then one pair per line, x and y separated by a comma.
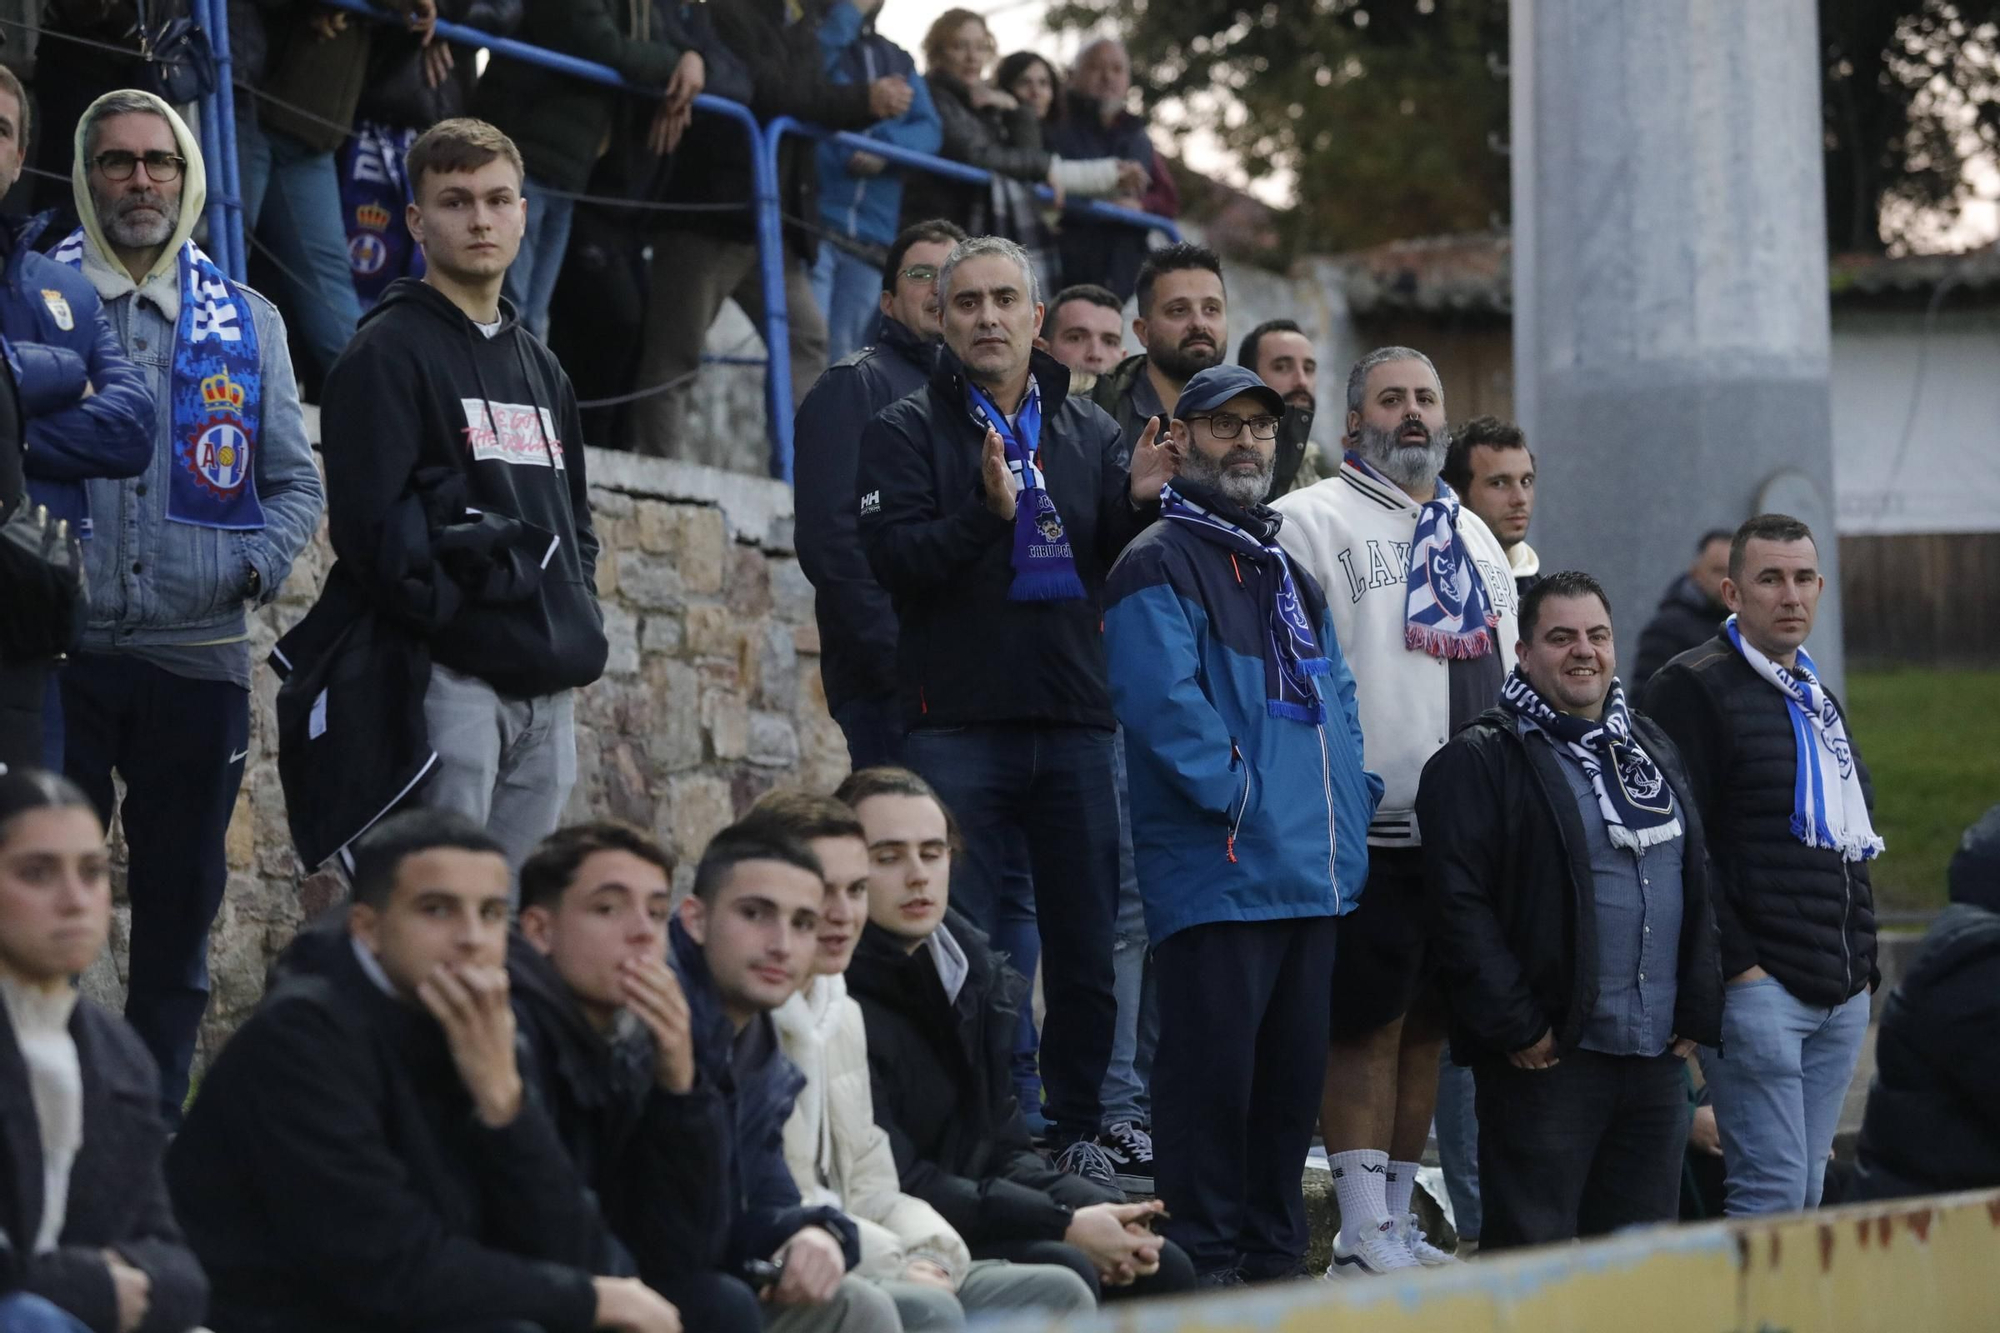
x,y
225,205
960,171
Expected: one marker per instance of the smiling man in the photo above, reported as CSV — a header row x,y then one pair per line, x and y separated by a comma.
x,y
445,417
1568,894
1183,325
1788,803
1000,658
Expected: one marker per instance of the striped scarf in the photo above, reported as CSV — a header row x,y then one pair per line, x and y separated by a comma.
x,y
1447,611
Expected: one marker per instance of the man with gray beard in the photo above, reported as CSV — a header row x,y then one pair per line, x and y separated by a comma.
x,y
180,554
1413,580
1250,812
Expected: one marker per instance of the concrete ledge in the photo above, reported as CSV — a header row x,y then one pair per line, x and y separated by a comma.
x,y
755,510
1918,1264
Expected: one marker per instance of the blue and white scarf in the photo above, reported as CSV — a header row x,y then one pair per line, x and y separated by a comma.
x,y
1044,564
1829,809
374,193
1632,794
217,396
1447,610
1292,651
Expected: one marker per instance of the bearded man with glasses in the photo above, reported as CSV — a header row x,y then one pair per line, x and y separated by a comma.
x,y
857,624
180,554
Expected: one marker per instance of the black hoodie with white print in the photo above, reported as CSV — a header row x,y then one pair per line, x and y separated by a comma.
x,y
423,393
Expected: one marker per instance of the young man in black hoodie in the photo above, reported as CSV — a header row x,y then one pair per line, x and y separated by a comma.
x,y
609,1047
940,1008
443,397
365,1155
742,944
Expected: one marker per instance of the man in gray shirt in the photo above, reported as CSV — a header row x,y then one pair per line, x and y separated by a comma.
x,y
1569,901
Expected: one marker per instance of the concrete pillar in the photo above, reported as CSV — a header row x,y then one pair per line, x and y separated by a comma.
x,y
1670,285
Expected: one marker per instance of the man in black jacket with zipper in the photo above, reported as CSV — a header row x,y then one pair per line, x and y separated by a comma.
x,y
1568,900
365,1155
443,382
608,1045
992,504
1787,802
857,624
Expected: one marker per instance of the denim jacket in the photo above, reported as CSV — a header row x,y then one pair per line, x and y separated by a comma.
x,y
158,582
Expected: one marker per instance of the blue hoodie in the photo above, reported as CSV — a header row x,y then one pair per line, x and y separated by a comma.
x,y
869,208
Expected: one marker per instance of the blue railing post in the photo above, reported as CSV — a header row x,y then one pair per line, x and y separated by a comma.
x,y
777,315
215,106
225,125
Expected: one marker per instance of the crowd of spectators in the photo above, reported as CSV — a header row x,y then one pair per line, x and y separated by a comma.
x,y
639,227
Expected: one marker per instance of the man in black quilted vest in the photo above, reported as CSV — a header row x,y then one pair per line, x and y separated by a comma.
x,y
1786,801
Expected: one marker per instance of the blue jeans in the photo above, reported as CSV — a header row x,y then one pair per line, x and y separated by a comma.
x,y
291,195
1053,789
1128,1082
24,1313
531,279
1777,1086
1457,1124
849,290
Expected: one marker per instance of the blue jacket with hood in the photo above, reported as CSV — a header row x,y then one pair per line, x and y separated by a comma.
x,y
869,208
54,323
1236,815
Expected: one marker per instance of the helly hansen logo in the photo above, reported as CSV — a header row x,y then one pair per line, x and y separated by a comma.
x,y
871,503
511,433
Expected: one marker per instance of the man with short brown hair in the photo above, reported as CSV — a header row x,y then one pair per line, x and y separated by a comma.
x,y
448,418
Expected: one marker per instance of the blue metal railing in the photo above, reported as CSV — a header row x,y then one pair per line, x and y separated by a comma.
x,y
218,128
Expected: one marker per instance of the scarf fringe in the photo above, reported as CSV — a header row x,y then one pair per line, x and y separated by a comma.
x,y
1315,666
1853,847
1623,835
1285,708
1045,585
1442,643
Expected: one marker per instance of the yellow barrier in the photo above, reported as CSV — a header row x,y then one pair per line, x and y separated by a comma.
x,y
1917,1266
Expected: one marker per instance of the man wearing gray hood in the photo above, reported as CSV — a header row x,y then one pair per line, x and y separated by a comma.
x,y
160,692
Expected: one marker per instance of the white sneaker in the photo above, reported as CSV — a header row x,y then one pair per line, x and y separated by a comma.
x,y
1374,1253
1420,1247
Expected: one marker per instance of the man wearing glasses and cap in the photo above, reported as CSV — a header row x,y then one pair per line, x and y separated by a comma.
x,y
1250,811
857,625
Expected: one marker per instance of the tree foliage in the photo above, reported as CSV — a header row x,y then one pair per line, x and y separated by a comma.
x,y
1391,115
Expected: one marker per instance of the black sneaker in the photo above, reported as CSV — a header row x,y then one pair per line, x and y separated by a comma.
x,y
1221,1277
1130,1147
1088,1159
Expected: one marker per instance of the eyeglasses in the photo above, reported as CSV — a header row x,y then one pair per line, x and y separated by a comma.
x,y
1227,426
118,165
920,273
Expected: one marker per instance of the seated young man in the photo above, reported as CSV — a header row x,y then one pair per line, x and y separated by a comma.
x,y
741,944
940,1013
363,1155
836,1151
611,1055
87,1241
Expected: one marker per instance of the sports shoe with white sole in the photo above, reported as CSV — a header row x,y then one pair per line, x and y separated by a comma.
x,y
1421,1249
1085,1158
1130,1148
1375,1253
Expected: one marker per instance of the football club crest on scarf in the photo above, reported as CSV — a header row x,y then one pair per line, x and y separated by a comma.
x,y
1632,794
1447,611
215,395
1044,565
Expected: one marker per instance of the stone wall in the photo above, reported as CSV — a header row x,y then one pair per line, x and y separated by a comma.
x,y
711,697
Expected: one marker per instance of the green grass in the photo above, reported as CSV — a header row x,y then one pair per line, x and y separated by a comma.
x,y
1931,739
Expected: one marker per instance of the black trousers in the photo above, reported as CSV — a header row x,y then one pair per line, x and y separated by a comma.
x,y
1236,1087
180,745
23,688
1582,1149
1176,1273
